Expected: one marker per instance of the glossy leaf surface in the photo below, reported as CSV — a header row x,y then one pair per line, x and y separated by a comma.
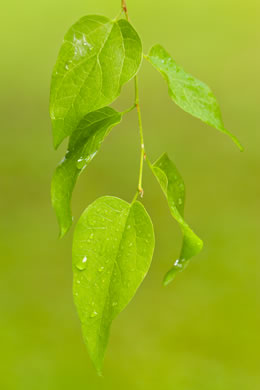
x,y
83,146
97,57
173,187
189,93
112,251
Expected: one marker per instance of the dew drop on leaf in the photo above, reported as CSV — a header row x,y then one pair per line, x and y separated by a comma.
x,y
179,264
81,265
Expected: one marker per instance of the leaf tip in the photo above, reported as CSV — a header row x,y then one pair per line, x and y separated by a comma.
x,y
56,136
62,233
168,278
56,143
98,361
64,225
239,145
99,372
235,140
241,148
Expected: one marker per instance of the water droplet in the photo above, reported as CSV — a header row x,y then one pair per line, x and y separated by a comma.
x,y
131,244
101,269
91,236
114,304
128,227
78,281
67,66
93,314
180,201
179,264
81,163
81,265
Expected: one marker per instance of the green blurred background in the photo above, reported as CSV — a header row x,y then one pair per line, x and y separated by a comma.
x,y
200,333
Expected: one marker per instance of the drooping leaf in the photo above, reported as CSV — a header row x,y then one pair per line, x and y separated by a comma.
x,y
97,57
112,251
189,93
173,187
83,146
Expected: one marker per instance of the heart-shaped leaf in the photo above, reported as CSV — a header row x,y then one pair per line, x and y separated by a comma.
x,y
97,57
112,251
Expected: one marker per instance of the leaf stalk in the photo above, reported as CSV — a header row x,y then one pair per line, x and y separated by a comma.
x,y
137,104
124,8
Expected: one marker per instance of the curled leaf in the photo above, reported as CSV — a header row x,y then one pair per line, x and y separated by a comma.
x,y
173,187
83,146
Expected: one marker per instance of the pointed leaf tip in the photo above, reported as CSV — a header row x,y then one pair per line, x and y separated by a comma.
x,y
189,93
168,278
112,251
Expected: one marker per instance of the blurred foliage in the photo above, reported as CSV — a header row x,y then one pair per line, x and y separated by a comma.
x,y
203,331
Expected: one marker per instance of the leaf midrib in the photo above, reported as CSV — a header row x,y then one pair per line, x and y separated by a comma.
x,y
114,262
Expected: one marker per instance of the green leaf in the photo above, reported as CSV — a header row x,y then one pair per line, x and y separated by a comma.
x,y
97,57
112,251
189,93
83,146
173,187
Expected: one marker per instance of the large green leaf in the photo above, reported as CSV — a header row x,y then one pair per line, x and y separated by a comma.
x,y
112,251
189,93
83,146
173,187
97,57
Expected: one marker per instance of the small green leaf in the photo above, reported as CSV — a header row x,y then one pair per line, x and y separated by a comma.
x,y
97,57
83,146
112,251
189,93
173,187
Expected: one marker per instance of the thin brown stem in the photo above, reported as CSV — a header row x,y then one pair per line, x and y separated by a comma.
x,y
124,8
